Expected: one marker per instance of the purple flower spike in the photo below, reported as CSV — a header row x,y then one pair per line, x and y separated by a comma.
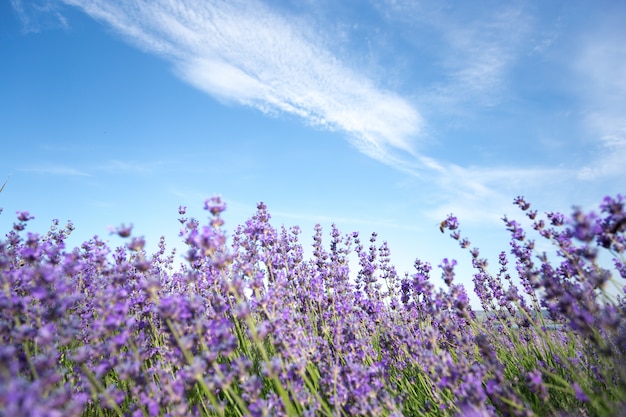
x,y
215,205
448,270
470,410
450,223
536,384
123,231
521,203
580,394
137,244
24,216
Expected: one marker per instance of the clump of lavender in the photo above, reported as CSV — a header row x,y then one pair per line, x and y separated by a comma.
x,y
565,327
253,328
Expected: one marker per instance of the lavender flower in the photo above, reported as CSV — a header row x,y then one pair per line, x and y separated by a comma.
x,y
255,328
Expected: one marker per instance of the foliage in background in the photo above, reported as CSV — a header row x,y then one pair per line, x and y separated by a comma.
x,y
251,328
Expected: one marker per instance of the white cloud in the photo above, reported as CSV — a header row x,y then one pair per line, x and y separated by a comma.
x,y
125,167
377,224
246,53
482,53
601,66
477,47
484,194
38,15
52,169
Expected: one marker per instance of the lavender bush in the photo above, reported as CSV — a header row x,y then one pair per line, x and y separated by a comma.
x,y
252,328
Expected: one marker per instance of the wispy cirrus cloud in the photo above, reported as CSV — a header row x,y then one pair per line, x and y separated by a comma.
x,y
476,49
56,169
130,167
254,55
36,15
479,60
247,53
376,224
484,194
600,66
108,167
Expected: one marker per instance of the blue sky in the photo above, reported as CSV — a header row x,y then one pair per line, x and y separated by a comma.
x,y
379,116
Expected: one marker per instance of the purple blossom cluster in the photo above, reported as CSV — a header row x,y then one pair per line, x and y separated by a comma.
x,y
252,328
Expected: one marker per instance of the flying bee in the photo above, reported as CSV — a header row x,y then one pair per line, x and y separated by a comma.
x,y
442,226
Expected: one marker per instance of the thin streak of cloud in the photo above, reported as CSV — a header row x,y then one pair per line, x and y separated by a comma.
x,y
316,218
124,167
62,170
246,53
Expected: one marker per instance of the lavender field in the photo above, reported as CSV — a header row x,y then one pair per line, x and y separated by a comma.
x,y
247,326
